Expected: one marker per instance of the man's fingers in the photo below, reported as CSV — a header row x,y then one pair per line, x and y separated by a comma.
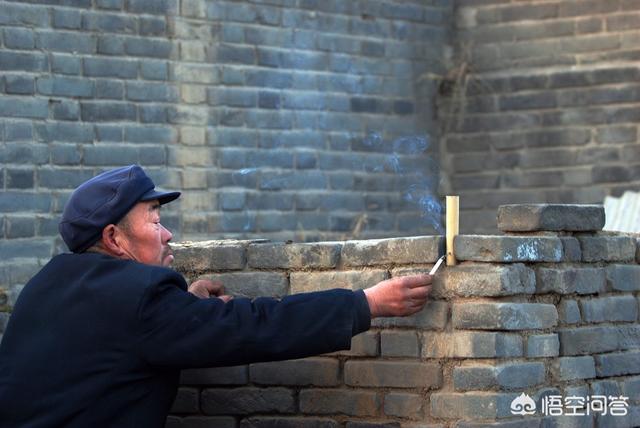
x,y
413,281
419,292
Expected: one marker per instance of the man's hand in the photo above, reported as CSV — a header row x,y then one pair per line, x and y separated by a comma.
x,y
398,297
205,288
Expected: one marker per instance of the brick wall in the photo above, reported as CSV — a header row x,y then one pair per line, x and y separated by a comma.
x,y
543,104
276,118
550,308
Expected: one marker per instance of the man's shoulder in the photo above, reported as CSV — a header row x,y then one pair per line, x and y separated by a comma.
x,y
101,266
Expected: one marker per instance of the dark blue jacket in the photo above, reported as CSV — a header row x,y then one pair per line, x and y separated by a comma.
x,y
95,342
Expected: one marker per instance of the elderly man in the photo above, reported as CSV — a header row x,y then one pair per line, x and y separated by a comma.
x,y
97,338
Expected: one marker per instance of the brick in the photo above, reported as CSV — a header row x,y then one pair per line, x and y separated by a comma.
x,y
18,227
158,92
159,7
242,401
543,345
610,308
62,41
605,387
283,422
305,372
607,248
294,256
62,178
109,89
362,345
65,64
573,368
616,135
154,70
24,248
403,405
34,108
471,405
569,312
503,316
552,217
480,279
392,251
618,364
393,374
110,155
399,344
24,153
485,248
107,112
302,282
579,340
253,284
24,15
110,23
18,61
629,336
623,277
18,131
235,375
66,110
348,402
109,67
20,179
19,38
65,86
509,376
570,280
186,401
471,345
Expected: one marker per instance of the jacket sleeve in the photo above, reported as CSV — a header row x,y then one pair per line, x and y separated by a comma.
x,y
180,330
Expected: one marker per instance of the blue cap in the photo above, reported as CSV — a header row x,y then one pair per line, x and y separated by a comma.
x,y
103,200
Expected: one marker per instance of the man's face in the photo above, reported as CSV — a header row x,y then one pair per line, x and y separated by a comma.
x,y
144,238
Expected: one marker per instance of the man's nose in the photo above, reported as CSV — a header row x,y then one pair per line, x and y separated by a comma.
x,y
166,234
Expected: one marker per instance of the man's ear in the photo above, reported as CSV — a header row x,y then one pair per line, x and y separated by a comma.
x,y
112,240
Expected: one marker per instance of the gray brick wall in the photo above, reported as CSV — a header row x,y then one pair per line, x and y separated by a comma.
x,y
495,328
284,119
542,104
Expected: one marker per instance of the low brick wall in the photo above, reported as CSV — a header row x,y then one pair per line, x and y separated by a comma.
x,y
542,313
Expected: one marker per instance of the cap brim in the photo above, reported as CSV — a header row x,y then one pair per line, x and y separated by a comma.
x,y
162,197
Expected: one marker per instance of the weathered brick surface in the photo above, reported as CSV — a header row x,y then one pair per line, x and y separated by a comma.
x,y
241,401
310,371
573,368
338,401
294,255
543,345
613,308
486,280
353,280
505,249
623,277
580,340
399,344
471,345
537,217
404,405
569,281
209,255
480,405
252,284
393,374
511,376
503,316
618,364
607,248
392,251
